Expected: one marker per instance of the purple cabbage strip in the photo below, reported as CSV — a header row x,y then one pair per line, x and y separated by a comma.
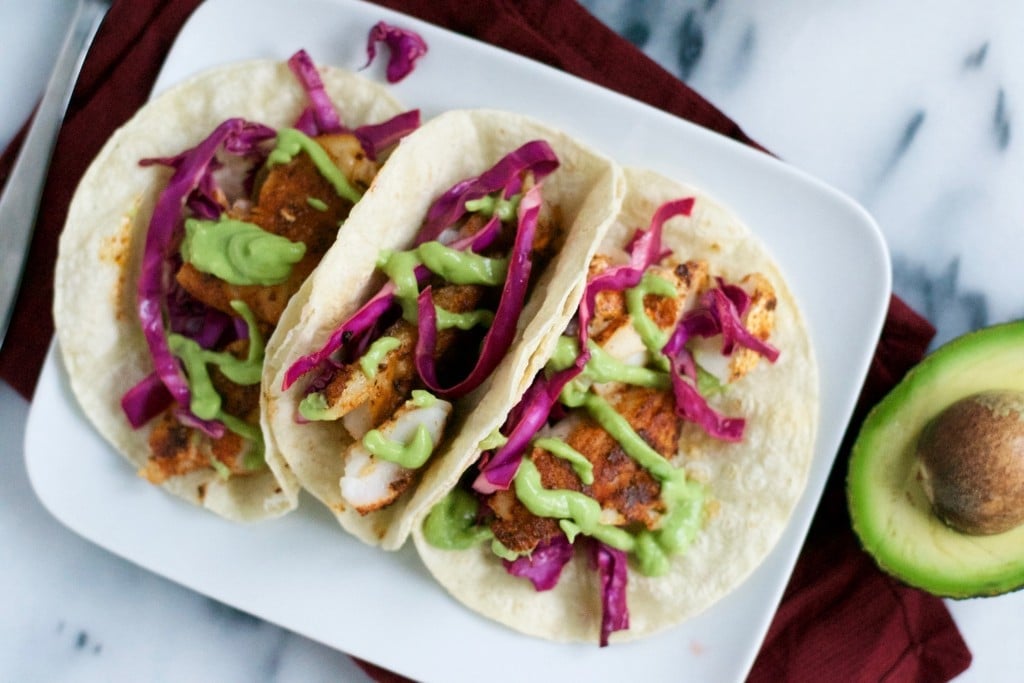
x,y
498,469
644,249
690,405
733,330
360,321
212,428
192,318
405,46
323,111
544,565
503,329
163,229
612,570
145,400
535,156
306,123
377,137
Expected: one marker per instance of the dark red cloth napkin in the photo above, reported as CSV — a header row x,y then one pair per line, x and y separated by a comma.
x,y
840,617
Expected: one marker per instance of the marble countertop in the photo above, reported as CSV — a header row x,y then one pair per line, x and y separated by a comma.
x,y
910,111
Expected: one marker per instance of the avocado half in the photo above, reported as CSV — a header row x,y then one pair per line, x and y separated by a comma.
x,y
888,506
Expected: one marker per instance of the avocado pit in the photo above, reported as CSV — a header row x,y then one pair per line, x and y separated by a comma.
x,y
971,459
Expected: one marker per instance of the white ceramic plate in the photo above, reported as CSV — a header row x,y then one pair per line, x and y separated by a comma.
x,y
301,571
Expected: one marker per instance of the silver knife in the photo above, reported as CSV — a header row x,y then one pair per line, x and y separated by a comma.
x,y
20,201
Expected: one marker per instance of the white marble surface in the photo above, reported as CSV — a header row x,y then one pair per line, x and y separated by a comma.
x,y
909,108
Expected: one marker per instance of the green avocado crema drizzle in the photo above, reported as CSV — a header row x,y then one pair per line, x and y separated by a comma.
x,y
578,513
205,402
410,455
375,355
291,141
451,524
684,499
238,252
654,337
491,205
603,367
457,267
318,204
583,468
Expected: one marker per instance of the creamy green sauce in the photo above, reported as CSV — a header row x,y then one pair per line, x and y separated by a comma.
x,y
654,338
318,204
457,267
206,403
238,252
493,204
421,398
603,367
583,468
582,510
374,355
254,457
291,141
632,443
463,321
462,267
314,408
410,455
503,551
493,440
400,267
451,524
567,349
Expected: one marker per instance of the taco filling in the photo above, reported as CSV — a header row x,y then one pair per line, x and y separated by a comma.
x,y
590,458
435,331
245,217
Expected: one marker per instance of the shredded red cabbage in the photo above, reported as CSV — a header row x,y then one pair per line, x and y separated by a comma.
x,y
406,47
212,428
322,111
612,570
359,322
377,137
191,318
503,329
689,404
644,250
497,470
155,276
536,156
734,331
146,400
544,565
321,117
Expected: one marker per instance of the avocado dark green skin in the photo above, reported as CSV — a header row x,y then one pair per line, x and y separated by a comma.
x,y
890,512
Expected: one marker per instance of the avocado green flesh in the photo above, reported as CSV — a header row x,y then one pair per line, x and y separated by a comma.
x,y
890,512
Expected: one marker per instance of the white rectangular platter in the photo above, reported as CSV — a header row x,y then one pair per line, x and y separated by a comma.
x,y
301,571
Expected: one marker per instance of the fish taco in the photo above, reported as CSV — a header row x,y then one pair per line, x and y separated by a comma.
x,y
422,320
186,238
656,459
